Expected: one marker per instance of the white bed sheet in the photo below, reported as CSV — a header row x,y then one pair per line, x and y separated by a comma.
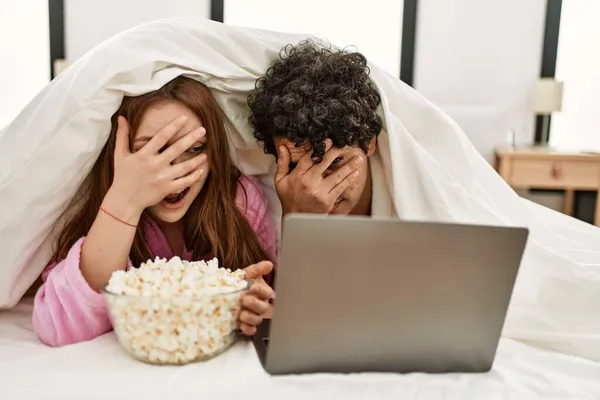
x,y
101,370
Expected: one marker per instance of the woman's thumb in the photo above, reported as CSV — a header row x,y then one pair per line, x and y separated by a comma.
x,y
122,142
258,270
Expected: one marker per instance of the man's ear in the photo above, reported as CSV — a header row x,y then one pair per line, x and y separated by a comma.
x,y
372,147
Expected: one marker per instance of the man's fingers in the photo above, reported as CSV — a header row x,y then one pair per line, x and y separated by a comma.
x,y
350,180
305,163
342,173
331,155
283,163
164,135
122,140
257,270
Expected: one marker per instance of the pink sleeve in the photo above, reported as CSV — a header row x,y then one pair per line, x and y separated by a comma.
x,y
255,207
66,310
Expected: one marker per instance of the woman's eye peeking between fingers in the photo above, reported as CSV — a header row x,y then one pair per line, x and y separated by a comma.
x,y
196,149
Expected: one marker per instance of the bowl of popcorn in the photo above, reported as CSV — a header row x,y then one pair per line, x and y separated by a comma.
x,y
174,311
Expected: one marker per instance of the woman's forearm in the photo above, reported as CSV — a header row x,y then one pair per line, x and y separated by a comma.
x,y
108,243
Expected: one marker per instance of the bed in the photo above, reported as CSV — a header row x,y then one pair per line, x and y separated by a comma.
x,y
100,369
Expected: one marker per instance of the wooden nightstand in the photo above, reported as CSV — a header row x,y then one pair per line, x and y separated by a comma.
x,y
544,168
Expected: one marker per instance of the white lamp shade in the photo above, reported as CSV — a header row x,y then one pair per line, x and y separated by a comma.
x,y
547,96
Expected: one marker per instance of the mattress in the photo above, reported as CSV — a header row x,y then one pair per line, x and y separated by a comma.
x,y
100,369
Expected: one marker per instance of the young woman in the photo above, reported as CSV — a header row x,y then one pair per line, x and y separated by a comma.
x,y
164,185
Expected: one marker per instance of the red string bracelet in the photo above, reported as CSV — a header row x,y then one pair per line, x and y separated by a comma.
x,y
117,218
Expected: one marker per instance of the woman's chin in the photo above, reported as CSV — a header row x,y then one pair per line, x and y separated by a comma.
x,y
168,215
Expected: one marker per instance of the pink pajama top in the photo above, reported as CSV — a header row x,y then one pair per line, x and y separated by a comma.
x,y
67,310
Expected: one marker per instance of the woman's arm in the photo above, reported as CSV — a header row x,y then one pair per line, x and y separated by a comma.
x,y
108,244
68,308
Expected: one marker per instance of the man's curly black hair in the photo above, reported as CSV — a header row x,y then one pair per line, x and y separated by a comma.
x,y
311,93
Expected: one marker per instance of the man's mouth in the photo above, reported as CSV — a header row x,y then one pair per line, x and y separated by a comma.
x,y
177,196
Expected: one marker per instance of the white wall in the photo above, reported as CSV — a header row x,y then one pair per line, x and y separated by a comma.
x,y
89,22
478,60
373,27
577,126
25,54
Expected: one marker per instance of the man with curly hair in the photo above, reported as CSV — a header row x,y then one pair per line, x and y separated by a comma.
x,y
315,110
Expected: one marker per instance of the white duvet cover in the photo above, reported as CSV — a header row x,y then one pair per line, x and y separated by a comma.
x,y
101,370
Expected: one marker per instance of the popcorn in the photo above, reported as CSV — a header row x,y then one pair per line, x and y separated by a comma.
x,y
175,312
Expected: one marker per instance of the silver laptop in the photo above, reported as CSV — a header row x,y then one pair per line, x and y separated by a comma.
x,y
359,294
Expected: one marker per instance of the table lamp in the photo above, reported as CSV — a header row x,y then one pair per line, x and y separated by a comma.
x,y
547,98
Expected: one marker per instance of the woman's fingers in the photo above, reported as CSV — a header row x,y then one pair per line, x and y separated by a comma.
x,y
255,304
250,318
163,136
261,290
258,270
182,169
248,330
189,179
254,307
122,141
182,145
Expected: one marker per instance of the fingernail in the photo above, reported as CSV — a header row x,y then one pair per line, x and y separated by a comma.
x,y
358,160
183,119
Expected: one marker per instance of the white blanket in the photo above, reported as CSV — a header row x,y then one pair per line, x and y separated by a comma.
x,y
433,171
101,370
